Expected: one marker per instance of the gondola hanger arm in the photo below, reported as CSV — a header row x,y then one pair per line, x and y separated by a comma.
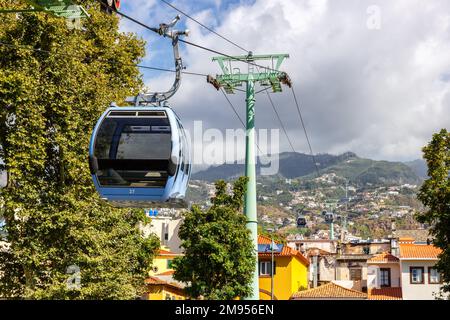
x,y
156,98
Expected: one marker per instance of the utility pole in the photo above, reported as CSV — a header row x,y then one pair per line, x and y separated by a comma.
x,y
332,230
315,272
272,265
344,217
229,80
271,269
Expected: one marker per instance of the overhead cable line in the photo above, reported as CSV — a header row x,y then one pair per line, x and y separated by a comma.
x,y
10,45
207,28
281,122
232,107
157,30
304,129
237,115
228,56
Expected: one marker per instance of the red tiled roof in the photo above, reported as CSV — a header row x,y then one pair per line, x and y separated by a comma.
x,y
156,281
383,257
163,252
285,252
419,251
167,273
264,240
385,294
329,291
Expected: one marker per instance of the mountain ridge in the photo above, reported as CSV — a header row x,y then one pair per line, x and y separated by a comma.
x,y
348,165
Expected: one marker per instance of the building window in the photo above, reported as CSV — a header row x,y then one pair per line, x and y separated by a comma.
x,y
165,232
385,277
265,268
434,276
169,264
355,274
416,275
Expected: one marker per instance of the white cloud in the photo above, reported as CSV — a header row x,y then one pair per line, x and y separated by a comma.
x,y
380,93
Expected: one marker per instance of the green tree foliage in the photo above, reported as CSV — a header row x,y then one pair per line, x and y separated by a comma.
x,y
435,195
50,99
219,256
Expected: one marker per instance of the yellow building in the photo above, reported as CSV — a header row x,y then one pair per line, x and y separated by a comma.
x,y
291,271
163,287
160,283
163,262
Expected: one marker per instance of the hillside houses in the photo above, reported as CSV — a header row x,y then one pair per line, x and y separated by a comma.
x,y
400,266
394,269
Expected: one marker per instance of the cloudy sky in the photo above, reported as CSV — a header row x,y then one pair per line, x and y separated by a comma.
x,y
372,77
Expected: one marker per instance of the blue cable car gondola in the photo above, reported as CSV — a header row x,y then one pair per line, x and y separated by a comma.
x,y
139,157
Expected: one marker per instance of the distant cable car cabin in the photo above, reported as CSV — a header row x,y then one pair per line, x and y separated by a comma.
x,y
301,221
329,217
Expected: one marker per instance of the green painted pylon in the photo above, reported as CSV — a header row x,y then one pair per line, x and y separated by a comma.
x,y
61,8
250,171
231,78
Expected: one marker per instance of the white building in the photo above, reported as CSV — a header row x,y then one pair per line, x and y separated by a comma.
x,y
383,271
410,276
419,279
166,226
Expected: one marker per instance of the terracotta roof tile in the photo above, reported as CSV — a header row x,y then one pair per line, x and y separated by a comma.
x,y
419,251
154,280
383,257
157,281
163,252
285,252
167,273
385,294
329,291
264,240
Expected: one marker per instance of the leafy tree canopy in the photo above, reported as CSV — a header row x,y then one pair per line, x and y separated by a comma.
x,y
50,99
219,256
435,195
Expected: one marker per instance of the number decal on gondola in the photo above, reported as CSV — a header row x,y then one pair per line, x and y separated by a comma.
x,y
132,191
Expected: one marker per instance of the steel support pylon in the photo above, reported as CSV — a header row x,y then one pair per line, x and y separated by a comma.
x,y
250,172
269,77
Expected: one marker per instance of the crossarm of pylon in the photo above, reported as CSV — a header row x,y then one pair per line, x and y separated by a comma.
x,y
61,8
